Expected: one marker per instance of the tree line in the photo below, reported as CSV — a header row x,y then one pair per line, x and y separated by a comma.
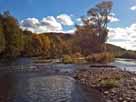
x,y
90,37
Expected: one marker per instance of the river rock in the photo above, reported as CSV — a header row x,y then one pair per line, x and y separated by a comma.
x,y
124,92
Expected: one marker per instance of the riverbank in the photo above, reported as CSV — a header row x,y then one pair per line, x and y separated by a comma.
x,y
114,84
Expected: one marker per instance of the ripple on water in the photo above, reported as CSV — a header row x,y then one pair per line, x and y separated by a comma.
x,y
43,89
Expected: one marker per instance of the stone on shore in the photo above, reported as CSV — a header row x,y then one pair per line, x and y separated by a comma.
x,y
115,85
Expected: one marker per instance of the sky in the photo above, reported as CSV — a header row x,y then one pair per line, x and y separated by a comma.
x,y
61,16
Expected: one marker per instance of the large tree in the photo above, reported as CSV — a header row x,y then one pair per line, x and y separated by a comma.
x,y
92,34
99,17
99,14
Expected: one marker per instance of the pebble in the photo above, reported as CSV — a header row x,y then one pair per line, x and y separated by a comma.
x,y
125,92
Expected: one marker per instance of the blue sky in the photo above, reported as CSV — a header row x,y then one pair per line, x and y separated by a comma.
x,y
40,12
40,8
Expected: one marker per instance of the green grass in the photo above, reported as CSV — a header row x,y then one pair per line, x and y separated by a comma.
x,y
109,83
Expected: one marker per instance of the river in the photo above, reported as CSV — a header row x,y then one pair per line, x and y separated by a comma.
x,y
125,64
23,80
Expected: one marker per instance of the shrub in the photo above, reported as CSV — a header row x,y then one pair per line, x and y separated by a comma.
x,y
100,57
67,59
78,58
109,83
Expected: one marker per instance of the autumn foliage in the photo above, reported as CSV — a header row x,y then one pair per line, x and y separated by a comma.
x,y
89,37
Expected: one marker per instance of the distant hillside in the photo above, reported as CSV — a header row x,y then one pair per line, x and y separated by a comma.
x,y
121,52
118,51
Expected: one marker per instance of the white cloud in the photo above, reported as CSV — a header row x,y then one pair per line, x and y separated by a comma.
x,y
65,19
133,8
123,37
51,24
30,22
47,24
113,18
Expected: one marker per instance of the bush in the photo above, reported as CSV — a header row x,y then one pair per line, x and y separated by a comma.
x,y
67,59
109,83
100,58
78,58
74,58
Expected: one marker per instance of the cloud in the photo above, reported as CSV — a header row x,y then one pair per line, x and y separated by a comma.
x,y
47,24
65,19
133,8
123,37
113,18
51,24
30,22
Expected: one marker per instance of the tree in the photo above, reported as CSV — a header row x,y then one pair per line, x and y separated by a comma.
x,y
28,49
2,38
36,45
99,16
93,33
13,35
46,45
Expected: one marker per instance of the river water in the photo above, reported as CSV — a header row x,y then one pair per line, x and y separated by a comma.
x,y
25,81
125,64
22,80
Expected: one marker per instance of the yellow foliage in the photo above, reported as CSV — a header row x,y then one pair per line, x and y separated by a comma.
x,y
67,59
100,57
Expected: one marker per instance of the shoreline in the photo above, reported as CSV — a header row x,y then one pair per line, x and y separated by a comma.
x,y
115,85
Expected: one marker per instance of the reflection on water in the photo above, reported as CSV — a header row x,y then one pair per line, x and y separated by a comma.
x,y
15,62
43,89
55,88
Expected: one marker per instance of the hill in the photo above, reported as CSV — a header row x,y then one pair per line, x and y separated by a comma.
x,y
121,52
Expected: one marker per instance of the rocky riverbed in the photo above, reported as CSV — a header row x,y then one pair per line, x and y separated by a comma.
x,y
114,84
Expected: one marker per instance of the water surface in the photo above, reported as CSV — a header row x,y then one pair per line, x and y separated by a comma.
x,y
31,82
125,64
